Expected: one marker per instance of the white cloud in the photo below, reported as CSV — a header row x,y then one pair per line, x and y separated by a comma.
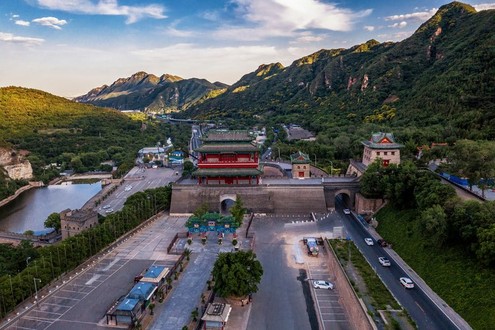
x,y
400,25
15,16
9,37
106,7
484,6
308,38
22,23
369,28
263,19
417,16
395,36
293,15
52,22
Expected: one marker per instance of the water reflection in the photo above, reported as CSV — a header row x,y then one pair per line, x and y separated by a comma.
x,y
30,210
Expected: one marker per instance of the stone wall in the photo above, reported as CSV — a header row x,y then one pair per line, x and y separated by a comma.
x,y
367,205
258,199
354,306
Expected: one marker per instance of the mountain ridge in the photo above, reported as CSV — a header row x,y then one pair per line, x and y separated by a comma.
x,y
438,74
147,92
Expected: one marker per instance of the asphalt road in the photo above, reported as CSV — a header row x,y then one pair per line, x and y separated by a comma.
x,y
285,290
138,179
421,308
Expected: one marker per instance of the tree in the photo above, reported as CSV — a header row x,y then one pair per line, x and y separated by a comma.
x,y
237,274
486,250
371,184
434,224
201,210
237,210
188,167
474,160
53,221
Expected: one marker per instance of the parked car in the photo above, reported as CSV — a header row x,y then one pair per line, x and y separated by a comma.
x,y
382,243
323,285
347,211
368,241
109,211
406,282
384,261
106,207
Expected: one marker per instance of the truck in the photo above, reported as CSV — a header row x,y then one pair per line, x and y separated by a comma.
x,y
312,245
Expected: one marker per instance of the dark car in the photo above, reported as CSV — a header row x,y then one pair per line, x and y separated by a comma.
x,y
382,243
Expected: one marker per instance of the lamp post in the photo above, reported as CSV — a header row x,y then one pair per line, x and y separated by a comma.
x,y
315,160
278,153
331,168
27,261
36,290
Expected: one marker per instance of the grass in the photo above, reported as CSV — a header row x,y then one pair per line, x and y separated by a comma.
x,y
376,290
451,272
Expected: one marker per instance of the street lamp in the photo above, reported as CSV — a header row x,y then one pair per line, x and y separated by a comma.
x,y
36,290
278,153
331,167
27,261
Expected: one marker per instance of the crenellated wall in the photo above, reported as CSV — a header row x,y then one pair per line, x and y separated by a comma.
x,y
277,199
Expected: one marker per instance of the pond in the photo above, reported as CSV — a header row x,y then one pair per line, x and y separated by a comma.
x,y
30,210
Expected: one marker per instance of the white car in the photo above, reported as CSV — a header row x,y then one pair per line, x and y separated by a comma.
x,y
106,207
347,211
109,211
322,285
369,241
384,261
406,282
127,188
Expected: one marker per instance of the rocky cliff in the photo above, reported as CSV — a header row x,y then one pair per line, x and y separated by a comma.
x,y
15,164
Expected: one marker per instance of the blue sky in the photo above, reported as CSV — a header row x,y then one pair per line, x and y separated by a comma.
x,y
67,47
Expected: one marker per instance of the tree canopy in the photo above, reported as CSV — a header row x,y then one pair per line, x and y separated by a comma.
x,y
237,274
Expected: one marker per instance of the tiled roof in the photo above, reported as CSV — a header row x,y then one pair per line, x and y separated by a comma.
x,y
216,172
299,158
218,148
142,291
225,135
382,140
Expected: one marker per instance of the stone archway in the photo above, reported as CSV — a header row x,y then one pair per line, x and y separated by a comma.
x,y
345,198
226,202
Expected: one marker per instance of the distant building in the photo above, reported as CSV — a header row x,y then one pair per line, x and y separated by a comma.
x,y
300,165
228,157
72,222
176,157
381,146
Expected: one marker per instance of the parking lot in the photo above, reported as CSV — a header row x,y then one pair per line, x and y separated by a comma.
x,y
81,300
288,274
330,310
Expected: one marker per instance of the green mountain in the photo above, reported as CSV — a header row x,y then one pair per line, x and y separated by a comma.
x,y
51,129
143,91
442,77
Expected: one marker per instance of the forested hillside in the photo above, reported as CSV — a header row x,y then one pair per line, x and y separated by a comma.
x,y
441,78
75,136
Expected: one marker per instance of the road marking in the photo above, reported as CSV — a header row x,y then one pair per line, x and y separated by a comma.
x,y
92,279
111,264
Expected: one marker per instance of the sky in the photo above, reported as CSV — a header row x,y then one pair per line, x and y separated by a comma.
x,y
68,47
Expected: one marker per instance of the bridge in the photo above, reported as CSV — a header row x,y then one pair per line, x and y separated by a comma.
x,y
7,237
